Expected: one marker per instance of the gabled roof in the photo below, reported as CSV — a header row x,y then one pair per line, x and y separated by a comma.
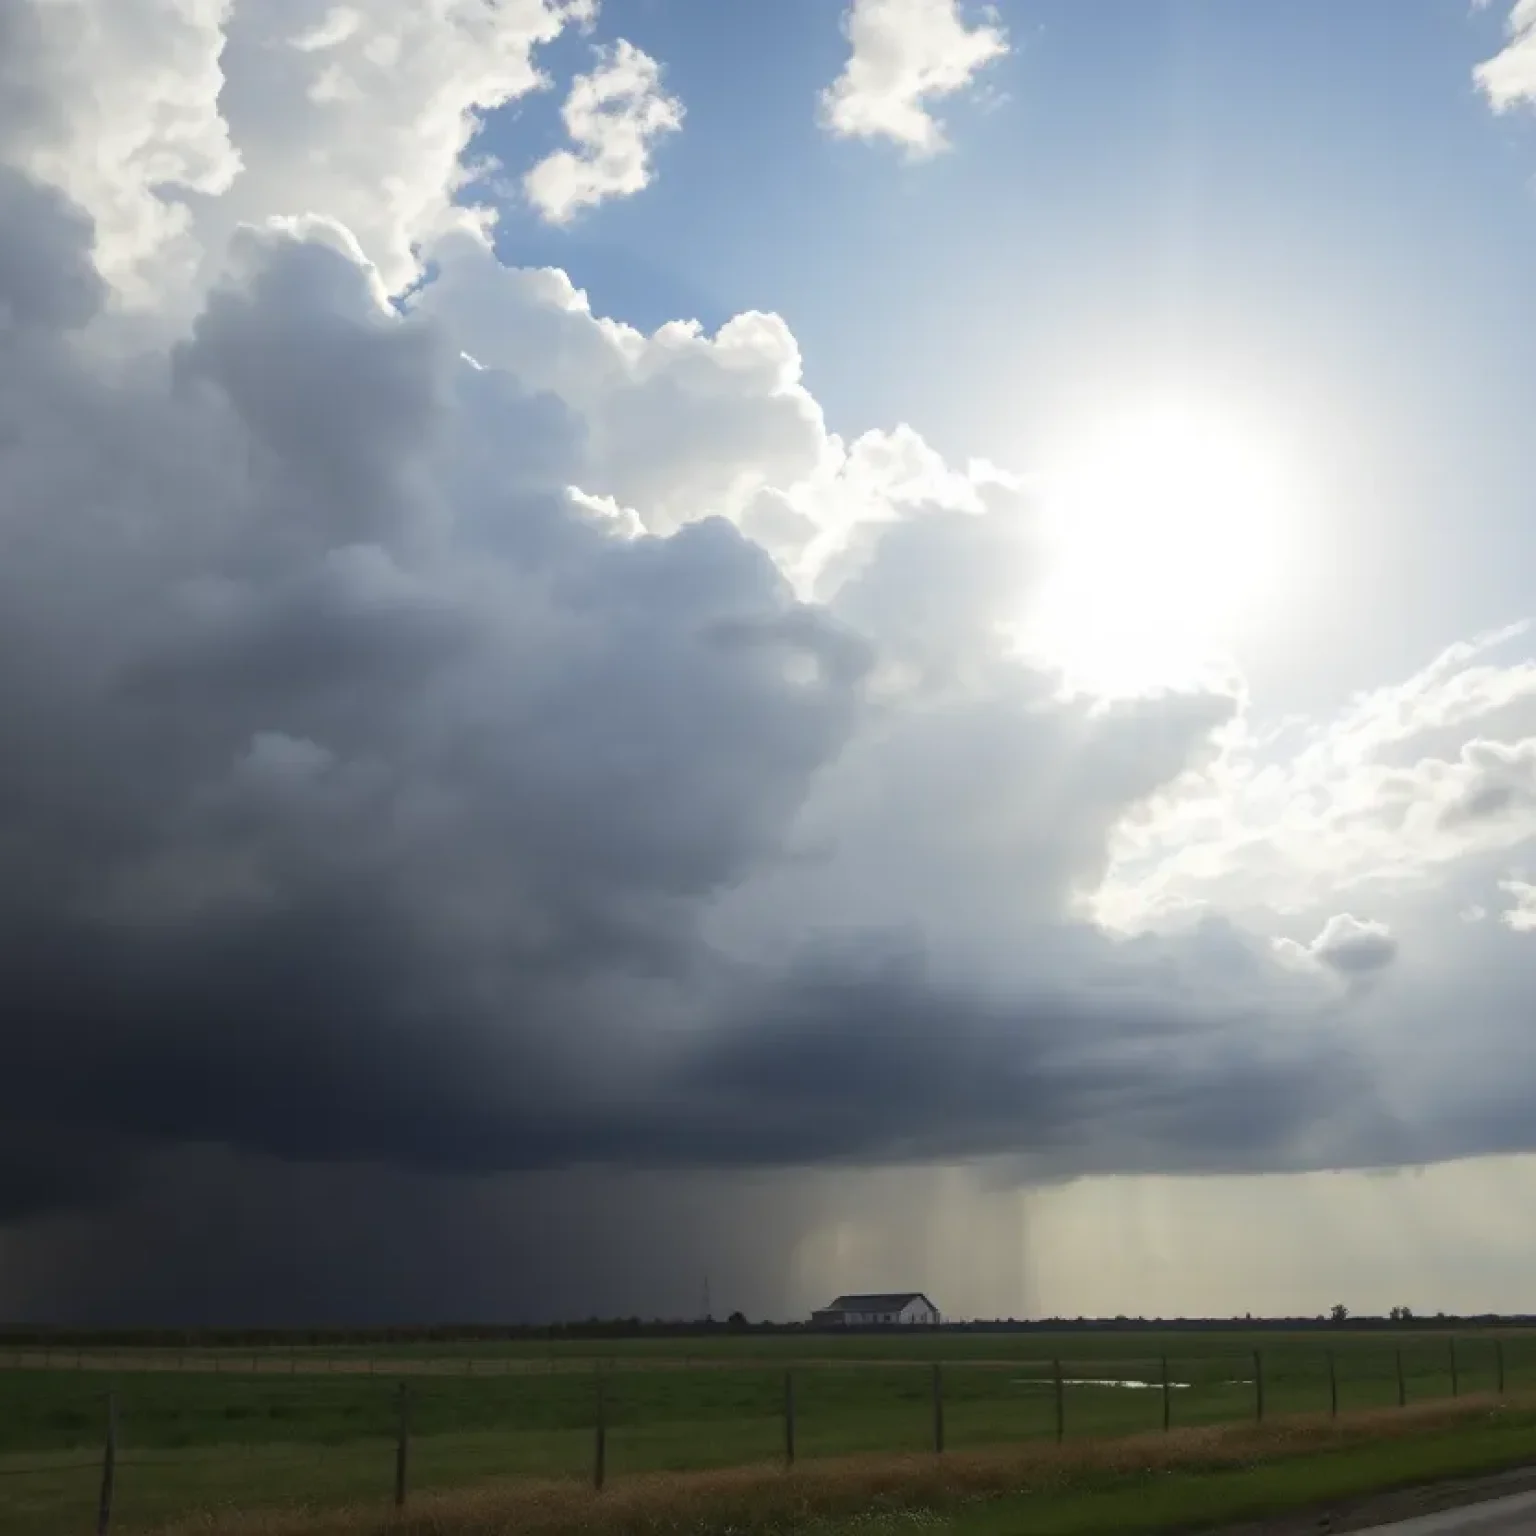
x,y
890,1301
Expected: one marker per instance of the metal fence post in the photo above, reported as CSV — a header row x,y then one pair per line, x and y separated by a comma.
x,y
938,1409
1402,1382
1333,1386
1258,1386
1498,1357
1167,1397
402,1445
108,1470
789,1418
1061,1403
1455,1372
600,1440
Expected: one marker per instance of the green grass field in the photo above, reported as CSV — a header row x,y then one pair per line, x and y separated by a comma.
x,y
213,1430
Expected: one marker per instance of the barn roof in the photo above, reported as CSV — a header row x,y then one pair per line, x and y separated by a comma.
x,y
887,1301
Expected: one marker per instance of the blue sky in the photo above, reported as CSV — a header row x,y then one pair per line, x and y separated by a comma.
x,y
646,802
1309,204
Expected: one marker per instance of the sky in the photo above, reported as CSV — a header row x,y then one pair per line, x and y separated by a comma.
x,y
774,646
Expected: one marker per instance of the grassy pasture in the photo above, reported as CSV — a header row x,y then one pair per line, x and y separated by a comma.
x,y
317,1428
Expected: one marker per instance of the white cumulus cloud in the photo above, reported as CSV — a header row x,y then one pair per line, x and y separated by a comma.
x,y
1509,78
1521,916
171,121
905,56
614,115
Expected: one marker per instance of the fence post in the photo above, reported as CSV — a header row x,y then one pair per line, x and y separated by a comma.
x,y
600,1440
1333,1386
1498,1356
402,1446
1258,1386
789,1418
1402,1384
938,1409
1167,1397
1455,1373
108,1469
1061,1403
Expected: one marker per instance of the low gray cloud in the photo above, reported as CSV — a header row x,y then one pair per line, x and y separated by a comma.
x,y
1497,781
1355,949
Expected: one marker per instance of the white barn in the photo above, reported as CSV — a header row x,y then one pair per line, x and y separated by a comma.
x,y
878,1309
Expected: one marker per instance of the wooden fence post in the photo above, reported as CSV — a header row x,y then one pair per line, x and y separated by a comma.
x,y
1498,1357
1258,1386
789,1418
1402,1382
1333,1386
1061,1403
938,1409
108,1470
402,1446
1455,1373
1167,1397
600,1440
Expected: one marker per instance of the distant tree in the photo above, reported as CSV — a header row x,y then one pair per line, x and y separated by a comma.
x,y
1405,1314
737,1321
1340,1313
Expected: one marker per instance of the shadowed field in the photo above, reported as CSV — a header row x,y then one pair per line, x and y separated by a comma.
x,y
1180,1481
229,1430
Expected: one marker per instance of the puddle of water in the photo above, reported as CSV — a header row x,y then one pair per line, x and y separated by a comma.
x,y
1129,1383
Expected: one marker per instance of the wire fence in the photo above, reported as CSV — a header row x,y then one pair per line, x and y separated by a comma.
x,y
134,1440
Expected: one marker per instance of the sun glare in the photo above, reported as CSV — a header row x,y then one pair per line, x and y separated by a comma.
x,y
1163,530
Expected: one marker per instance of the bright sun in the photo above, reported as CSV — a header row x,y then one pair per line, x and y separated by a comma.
x,y
1164,538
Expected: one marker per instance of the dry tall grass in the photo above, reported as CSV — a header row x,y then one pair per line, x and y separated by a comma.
x,y
765,1498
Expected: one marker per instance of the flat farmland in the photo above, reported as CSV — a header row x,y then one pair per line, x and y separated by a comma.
x,y
208,1430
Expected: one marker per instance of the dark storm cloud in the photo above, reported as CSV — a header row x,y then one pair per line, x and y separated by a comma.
x,y
365,797
47,280
876,1061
